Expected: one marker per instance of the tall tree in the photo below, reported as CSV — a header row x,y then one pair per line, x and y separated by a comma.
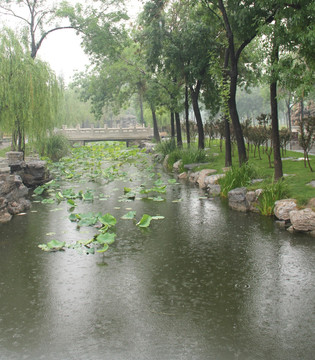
x,y
29,93
40,17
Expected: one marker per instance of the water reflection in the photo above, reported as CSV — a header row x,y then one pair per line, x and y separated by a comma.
x,y
204,283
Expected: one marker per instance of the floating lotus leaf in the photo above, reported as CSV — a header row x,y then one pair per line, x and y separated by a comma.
x,y
129,216
145,221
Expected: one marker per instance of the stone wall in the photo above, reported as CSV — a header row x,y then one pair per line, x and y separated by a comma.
x,y
16,179
13,195
286,211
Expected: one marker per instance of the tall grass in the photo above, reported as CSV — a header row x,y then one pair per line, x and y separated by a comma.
x,y
270,194
166,147
188,156
56,147
237,177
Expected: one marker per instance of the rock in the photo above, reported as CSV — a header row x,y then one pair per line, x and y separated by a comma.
x,y
255,181
312,183
281,223
226,169
290,229
183,175
311,203
15,158
34,173
213,179
202,175
12,197
312,233
165,165
303,220
17,207
193,177
252,200
4,216
214,189
191,166
3,203
237,199
177,165
283,208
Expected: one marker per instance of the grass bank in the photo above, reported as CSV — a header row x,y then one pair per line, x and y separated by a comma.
x,y
296,177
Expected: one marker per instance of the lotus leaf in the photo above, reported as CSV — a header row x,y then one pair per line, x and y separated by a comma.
x,y
145,221
129,216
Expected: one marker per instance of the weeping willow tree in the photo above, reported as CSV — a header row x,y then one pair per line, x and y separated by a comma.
x,y
29,93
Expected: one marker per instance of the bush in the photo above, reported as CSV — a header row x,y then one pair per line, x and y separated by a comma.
x,y
166,147
56,147
270,194
237,177
188,156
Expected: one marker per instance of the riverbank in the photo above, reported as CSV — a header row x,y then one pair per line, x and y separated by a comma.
x,y
296,214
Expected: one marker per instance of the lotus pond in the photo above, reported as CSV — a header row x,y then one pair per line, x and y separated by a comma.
x,y
117,260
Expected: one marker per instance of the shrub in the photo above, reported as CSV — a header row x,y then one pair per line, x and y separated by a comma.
x,y
166,147
270,194
237,177
188,156
56,147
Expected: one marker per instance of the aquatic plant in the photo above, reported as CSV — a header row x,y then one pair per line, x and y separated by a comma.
x,y
56,147
271,193
237,177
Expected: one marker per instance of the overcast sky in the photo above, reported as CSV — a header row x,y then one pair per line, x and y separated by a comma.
x,y
62,49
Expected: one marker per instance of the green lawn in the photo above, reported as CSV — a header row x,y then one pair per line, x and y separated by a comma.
x,y
297,179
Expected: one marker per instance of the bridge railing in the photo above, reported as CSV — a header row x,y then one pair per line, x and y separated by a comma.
x,y
105,132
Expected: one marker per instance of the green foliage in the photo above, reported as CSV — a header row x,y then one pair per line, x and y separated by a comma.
x,y
53,245
29,92
56,147
166,147
188,156
270,194
237,177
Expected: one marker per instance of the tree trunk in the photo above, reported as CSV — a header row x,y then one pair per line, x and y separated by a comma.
x,y
187,116
178,131
172,125
194,99
228,147
155,127
233,74
274,114
141,108
242,156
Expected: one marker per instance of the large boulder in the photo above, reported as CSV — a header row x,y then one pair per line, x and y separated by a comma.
x,y
12,197
183,175
311,203
5,216
17,207
252,200
33,173
303,220
237,199
177,165
214,189
283,208
165,161
213,179
193,177
202,176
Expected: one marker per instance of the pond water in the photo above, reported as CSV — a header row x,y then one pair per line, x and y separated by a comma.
x,y
203,283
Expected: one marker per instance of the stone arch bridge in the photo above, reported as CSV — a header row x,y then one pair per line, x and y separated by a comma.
x,y
84,135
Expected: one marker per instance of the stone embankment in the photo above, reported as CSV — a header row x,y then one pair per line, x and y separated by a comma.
x,y
286,211
17,177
